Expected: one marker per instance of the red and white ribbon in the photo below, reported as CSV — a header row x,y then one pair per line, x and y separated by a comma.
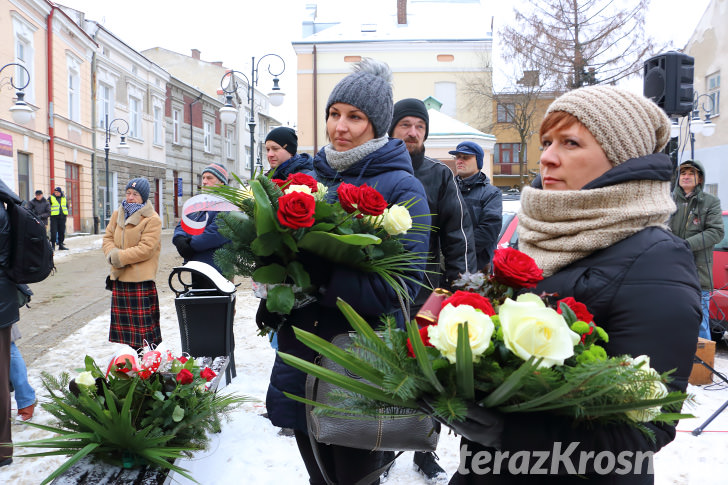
x,y
203,203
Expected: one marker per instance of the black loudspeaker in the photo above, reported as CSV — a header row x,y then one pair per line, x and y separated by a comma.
x,y
668,81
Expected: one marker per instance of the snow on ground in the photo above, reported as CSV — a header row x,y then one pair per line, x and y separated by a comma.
x,y
249,449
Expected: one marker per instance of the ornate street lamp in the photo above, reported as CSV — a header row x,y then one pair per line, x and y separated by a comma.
x,y
123,149
696,125
21,112
228,113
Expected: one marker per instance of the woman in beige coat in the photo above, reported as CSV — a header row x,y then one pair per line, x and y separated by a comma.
x,y
132,246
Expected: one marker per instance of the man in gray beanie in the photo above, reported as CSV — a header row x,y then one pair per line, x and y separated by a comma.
x,y
202,247
483,199
452,244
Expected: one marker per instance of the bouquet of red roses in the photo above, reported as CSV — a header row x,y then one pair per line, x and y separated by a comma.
x,y
493,346
283,223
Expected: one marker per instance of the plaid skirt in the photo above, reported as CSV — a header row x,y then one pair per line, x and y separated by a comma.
x,y
134,314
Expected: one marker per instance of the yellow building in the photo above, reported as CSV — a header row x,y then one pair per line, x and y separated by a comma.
x,y
54,147
428,57
510,113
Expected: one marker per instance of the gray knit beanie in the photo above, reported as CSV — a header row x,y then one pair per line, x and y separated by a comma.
x,y
369,88
626,125
141,185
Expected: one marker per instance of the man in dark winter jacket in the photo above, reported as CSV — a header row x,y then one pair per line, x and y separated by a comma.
x,y
40,207
483,199
202,247
699,221
281,146
452,244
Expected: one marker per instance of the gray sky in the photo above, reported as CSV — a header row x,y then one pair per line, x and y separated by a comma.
x,y
232,31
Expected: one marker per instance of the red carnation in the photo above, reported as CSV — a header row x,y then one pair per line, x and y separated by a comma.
x,y
296,210
185,377
208,374
348,197
424,336
303,179
513,268
473,299
371,202
578,308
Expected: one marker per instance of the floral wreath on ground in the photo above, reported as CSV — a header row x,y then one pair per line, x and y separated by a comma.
x,y
142,411
492,344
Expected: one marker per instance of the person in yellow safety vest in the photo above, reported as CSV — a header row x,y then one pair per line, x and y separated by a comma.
x,y
59,211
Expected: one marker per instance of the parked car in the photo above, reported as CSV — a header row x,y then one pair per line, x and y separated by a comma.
x,y
508,237
719,296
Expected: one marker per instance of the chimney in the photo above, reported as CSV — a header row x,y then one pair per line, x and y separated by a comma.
x,y
196,54
401,12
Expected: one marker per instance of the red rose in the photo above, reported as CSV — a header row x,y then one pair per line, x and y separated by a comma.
x,y
516,269
578,308
296,209
473,299
279,182
348,197
303,179
371,201
424,336
182,359
144,374
185,377
208,374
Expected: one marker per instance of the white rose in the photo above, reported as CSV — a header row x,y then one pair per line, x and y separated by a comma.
x,y
532,329
444,335
298,188
397,220
658,390
86,379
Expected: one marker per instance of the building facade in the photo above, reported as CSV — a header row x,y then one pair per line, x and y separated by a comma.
x,y
428,57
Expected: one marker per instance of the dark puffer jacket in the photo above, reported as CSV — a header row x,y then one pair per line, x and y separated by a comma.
x,y
486,212
9,313
644,292
208,242
389,170
699,221
299,163
452,229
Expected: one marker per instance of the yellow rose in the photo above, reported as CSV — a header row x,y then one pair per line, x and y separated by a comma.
x,y
86,379
658,390
298,188
532,329
397,220
444,335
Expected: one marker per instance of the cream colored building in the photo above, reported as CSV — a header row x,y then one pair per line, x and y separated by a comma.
x,y
54,147
428,56
709,46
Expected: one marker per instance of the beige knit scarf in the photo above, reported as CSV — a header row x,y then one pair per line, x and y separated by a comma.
x,y
558,227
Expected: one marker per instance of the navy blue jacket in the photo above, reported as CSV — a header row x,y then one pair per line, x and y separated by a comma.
x,y
486,211
301,162
208,242
389,170
644,292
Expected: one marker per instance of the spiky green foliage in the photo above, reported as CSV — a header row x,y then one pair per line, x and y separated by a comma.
x,y
126,420
236,257
597,390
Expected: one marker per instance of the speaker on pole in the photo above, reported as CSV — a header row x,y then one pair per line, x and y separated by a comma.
x,y
668,81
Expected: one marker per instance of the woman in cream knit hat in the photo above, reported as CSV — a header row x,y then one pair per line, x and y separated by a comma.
x,y
594,221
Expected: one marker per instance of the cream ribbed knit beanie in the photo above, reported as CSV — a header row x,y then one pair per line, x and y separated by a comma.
x,y
626,125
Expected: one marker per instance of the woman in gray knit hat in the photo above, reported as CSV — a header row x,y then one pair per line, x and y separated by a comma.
x,y
358,115
595,223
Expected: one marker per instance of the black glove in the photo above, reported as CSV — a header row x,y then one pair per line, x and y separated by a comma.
x,y
266,319
318,268
182,243
481,425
